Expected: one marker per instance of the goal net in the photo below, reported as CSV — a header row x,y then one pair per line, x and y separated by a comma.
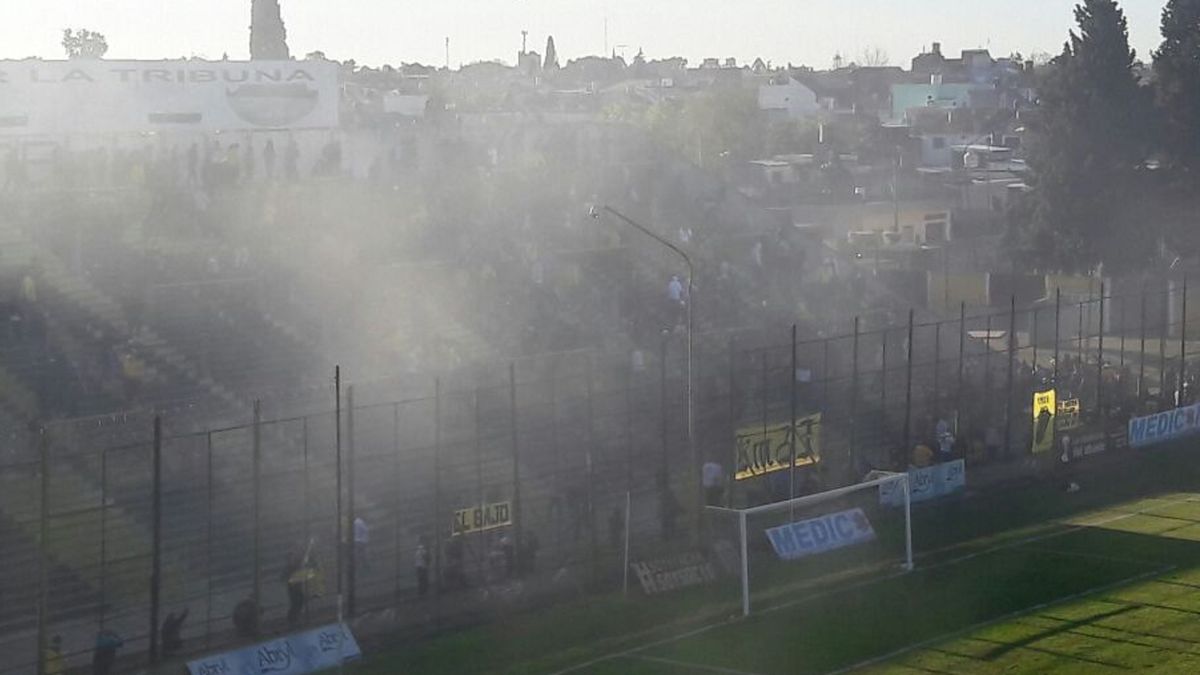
x,y
813,542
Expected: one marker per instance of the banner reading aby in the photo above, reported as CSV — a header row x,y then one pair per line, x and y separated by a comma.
x,y
1164,426
307,652
58,98
927,483
820,535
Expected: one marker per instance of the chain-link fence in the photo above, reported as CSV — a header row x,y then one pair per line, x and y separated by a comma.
x,y
464,497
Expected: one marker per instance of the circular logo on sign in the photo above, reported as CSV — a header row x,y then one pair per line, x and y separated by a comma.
x,y
272,105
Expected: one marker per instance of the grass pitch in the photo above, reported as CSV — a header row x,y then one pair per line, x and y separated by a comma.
x,y
1028,580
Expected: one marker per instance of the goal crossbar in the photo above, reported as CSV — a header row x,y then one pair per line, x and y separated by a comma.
x,y
885,479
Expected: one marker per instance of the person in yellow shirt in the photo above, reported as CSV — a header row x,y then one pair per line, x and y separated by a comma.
x,y
922,456
53,663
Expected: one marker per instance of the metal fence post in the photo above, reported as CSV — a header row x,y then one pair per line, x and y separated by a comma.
x,y
1008,387
734,414
156,540
883,373
437,487
44,549
255,499
1121,323
1100,355
208,534
1162,345
338,545
854,399
476,433
908,386
1057,328
937,363
1079,349
1183,341
662,406
1033,338
590,506
824,371
962,357
791,435
351,544
103,535
396,477
987,370
1141,387
518,521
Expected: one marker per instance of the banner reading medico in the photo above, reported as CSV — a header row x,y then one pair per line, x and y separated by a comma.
x,y
307,652
819,535
765,450
1164,426
87,97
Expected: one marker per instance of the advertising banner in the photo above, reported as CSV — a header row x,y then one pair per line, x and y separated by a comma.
x,y
762,451
1164,426
930,482
57,98
679,571
307,652
1068,417
481,518
820,535
1044,410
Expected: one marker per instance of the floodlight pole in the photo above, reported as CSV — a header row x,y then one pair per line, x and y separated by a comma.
x,y
691,442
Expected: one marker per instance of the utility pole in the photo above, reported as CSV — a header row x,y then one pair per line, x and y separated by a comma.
x,y
447,53
896,192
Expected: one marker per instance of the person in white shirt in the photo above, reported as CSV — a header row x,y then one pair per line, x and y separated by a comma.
x,y
362,537
675,289
712,476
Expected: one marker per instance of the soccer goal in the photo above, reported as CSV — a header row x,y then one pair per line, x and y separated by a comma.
x,y
809,543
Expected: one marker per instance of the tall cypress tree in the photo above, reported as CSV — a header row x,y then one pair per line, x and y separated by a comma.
x,y
551,62
268,36
1177,79
1088,149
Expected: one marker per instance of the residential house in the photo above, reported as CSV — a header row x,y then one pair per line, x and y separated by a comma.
x,y
786,97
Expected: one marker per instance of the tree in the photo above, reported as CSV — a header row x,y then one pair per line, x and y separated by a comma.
x,y
268,35
1177,73
1088,149
551,62
874,57
84,44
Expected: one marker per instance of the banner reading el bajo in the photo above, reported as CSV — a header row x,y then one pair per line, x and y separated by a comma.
x,y
819,535
307,652
481,518
762,451
54,98
1164,426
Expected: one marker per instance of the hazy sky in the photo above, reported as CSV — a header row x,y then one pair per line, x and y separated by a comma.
x,y
389,31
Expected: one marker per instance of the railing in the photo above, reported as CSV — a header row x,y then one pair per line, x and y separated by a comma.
x,y
548,450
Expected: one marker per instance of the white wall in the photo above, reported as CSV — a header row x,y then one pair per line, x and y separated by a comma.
x,y
794,98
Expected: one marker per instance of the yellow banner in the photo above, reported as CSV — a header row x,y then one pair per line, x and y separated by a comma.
x,y
481,518
1044,409
761,451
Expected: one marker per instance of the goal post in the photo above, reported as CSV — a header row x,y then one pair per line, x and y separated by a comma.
x,y
799,542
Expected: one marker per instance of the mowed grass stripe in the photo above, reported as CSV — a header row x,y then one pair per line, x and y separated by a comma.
x,y
845,628
1153,624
